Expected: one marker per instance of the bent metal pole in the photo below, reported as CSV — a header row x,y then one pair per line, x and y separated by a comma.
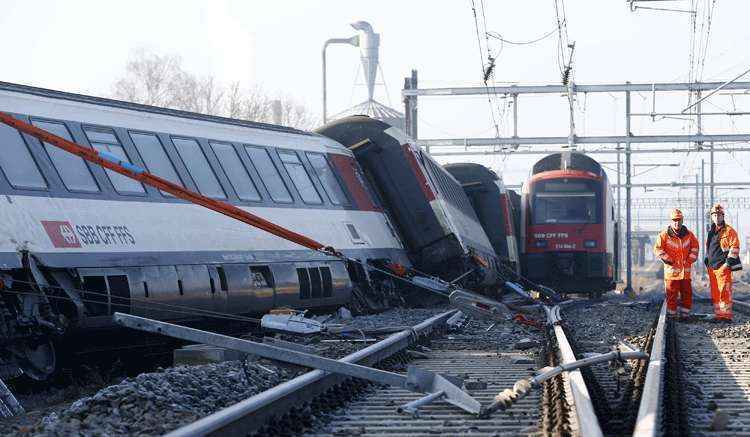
x,y
114,163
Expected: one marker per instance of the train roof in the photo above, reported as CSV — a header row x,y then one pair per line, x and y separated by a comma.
x,y
54,94
466,172
567,160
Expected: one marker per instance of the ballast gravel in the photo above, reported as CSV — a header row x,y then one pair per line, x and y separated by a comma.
x,y
600,326
156,403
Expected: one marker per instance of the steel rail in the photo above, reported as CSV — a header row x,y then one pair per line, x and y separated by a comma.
x,y
648,422
588,423
742,306
251,414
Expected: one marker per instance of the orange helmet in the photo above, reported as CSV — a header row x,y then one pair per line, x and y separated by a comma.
x,y
717,209
676,214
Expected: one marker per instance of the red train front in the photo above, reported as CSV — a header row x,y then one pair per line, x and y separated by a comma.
x,y
569,226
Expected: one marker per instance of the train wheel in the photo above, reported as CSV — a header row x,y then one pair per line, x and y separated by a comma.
x,y
38,360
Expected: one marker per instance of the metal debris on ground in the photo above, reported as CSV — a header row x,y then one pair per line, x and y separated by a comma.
x,y
416,379
292,323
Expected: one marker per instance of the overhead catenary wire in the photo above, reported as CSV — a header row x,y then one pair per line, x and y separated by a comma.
x,y
484,70
499,37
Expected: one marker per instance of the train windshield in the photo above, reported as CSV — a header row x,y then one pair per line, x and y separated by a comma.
x,y
566,201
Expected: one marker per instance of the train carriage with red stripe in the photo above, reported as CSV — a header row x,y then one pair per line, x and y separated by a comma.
x,y
79,242
427,204
569,228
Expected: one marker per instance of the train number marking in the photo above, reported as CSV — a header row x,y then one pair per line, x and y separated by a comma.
x,y
565,246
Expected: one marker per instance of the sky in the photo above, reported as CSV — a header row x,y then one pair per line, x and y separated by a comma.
x,y
83,46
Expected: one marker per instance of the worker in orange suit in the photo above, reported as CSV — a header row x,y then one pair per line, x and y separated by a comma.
x,y
677,248
722,258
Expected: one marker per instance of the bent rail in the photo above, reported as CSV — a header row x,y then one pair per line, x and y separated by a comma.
x,y
252,413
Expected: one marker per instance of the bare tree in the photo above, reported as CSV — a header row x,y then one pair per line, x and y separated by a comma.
x,y
149,79
160,80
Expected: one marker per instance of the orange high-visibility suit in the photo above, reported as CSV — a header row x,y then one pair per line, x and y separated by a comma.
x,y
722,257
678,250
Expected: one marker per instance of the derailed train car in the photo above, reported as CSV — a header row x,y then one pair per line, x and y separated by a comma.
x,y
78,242
569,226
428,206
495,208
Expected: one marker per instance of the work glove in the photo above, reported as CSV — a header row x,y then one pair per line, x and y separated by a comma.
x,y
734,264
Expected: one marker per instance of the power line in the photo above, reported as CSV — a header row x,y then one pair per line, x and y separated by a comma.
x,y
707,42
499,37
484,73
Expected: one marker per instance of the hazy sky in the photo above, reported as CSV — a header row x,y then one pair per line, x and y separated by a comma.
x,y
82,46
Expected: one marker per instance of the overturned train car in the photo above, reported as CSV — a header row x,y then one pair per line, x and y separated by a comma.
x,y
497,208
434,217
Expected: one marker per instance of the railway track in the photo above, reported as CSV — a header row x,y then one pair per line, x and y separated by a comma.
x,y
695,382
698,380
306,405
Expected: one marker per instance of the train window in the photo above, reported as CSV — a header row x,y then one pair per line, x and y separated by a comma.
x,y
316,283
156,159
108,142
566,202
327,178
354,234
304,283
73,171
198,167
262,276
236,171
300,178
16,161
269,174
325,274
222,279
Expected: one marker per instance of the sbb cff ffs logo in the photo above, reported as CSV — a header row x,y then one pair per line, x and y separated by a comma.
x,y
65,235
61,234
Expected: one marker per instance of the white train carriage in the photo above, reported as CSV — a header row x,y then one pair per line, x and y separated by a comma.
x,y
78,242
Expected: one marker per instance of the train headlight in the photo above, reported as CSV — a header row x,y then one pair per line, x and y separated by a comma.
x,y
589,243
540,243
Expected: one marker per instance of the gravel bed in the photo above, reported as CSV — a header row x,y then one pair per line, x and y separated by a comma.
x,y
713,358
157,402
396,317
600,326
